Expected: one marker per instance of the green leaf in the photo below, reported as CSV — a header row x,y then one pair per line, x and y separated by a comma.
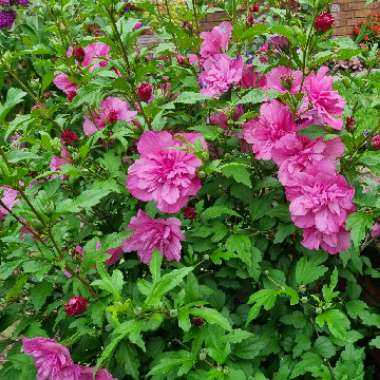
x,y
191,98
212,316
165,284
90,198
111,284
263,298
336,321
155,265
218,211
15,156
181,360
128,357
324,347
308,269
14,96
358,223
238,172
356,308
121,332
283,231
311,363
255,96
313,132
375,342
328,290
40,293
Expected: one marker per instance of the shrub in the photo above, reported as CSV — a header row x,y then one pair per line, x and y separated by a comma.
x,y
203,207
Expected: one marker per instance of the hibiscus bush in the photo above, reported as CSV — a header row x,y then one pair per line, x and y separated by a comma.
x,y
180,201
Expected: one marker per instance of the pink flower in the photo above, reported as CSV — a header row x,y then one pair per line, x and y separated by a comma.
x,y
294,154
216,41
219,73
252,79
283,79
9,198
111,110
333,243
321,200
274,122
375,231
87,373
164,173
57,161
94,54
150,234
326,104
52,360
63,83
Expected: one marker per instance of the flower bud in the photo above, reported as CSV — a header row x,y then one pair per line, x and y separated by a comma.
x,y
190,213
198,321
376,142
69,137
145,91
323,22
75,306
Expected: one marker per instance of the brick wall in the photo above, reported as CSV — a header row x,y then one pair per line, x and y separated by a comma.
x,y
348,13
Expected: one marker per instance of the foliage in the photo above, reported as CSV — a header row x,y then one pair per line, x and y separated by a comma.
x,y
246,300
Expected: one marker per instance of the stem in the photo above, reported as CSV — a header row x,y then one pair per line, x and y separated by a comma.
x,y
306,51
128,64
171,23
34,233
195,13
14,75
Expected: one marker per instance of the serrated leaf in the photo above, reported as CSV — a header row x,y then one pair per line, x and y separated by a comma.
x,y
218,211
238,172
358,223
14,96
336,321
283,231
375,342
191,98
40,293
324,347
308,270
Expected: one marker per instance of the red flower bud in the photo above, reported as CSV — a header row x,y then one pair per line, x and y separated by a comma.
x,y
190,213
181,60
78,53
350,123
249,21
69,137
254,8
75,306
376,142
71,95
323,22
198,321
145,91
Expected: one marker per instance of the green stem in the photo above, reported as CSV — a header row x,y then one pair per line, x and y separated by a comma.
x,y
128,64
